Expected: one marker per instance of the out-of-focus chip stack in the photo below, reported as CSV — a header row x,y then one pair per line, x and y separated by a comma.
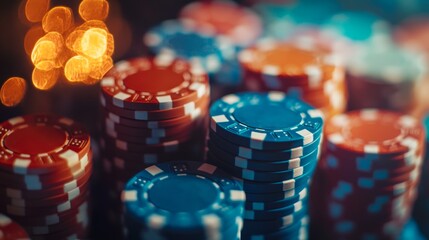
x,y
370,171
421,208
308,74
383,75
240,25
45,166
199,45
183,200
270,143
10,230
154,110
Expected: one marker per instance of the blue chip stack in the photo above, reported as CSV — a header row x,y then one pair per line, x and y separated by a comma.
x,y
183,200
270,143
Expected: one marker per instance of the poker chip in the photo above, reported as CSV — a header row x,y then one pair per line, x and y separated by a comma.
x,y
363,196
45,168
270,143
302,71
10,230
153,111
179,39
386,73
238,23
208,202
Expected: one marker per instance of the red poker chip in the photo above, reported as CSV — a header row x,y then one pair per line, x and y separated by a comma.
x,y
41,144
238,23
14,192
140,84
39,182
58,208
153,124
10,230
185,110
373,131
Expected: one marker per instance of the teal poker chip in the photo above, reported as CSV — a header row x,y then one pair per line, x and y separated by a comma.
x,y
265,166
264,206
182,196
298,207
257,155
177,39
265,121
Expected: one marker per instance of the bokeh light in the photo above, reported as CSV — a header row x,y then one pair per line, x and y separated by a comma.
x,y
31,37
77,69
58,19
93,9
13,91
36,9
45,80
47,50
94,42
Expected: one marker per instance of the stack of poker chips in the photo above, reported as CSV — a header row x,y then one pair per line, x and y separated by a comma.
x,y
10,230
184,38
270,143
300,71
385,74
183,200
421,207
46,165
154,110
371,169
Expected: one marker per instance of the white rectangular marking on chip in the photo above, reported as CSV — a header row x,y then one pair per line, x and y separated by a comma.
x,y
207,168
287,220
189,108
70,185
122,66
52,219
371,148
71,157
369,114
171,146
165,102
129,196
108,82
231,98
64,206
140,115
307,135
73,194
237,195
115,118
257,139
66,121
288,184
20,166
118,99
156,221
298,172
16,120
315,113
276,96
154,170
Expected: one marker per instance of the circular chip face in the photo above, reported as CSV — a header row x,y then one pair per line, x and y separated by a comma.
x,y
266,121
10,230
141,84
41,144
238,23
177,39
374,132
201,192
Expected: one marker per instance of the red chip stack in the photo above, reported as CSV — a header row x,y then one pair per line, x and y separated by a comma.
x,y
371,169
45,167
10,230
154,110
309,74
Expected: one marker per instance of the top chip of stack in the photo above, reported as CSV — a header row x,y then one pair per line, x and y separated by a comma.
x,y
371,170
270,143
45,170
183,200
301,71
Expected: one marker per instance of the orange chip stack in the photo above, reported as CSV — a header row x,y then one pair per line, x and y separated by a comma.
x,y
305,73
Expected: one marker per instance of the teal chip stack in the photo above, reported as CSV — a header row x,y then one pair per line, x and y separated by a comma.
x,y
270,143
183,200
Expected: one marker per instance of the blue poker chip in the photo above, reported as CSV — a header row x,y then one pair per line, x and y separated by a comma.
x,y
288,227
204,197
254,154
356,26
265,121
268,165
297,207
259,176
230,74
275,196
264,206
177,38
